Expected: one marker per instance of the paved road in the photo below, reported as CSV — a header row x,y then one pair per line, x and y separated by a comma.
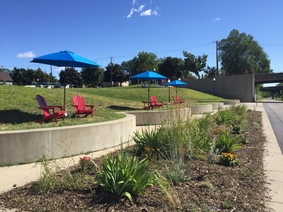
x,y
274,110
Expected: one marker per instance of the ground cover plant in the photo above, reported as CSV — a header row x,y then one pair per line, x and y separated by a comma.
x,y
192,167
19,109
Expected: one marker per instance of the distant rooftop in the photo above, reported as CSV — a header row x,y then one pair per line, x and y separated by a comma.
x,y
5,77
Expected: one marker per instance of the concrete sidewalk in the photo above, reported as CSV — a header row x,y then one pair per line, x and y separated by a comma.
x,y
273,163
19,175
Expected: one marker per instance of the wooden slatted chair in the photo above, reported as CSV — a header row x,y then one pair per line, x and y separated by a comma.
x,y
49,112
81,108
155,103
178,100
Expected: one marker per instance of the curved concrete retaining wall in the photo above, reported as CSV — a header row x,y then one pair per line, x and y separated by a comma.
x,y
200,109
30,145
217,105
157,117
231,102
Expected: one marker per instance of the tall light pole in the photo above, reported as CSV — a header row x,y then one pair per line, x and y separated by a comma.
x,y
214,79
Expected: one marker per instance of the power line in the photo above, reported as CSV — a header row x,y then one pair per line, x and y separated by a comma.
x,y
161,52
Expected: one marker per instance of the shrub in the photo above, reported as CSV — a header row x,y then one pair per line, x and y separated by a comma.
x,y
226,143
201,139
150,143
86,164
239,110
228,159
176,173
124,176
224,117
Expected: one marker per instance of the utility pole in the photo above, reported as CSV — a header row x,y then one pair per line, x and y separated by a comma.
x,y
216,71
111,71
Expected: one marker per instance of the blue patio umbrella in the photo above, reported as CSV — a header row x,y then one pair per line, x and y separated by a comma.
x,y
65,59
175,83
149,75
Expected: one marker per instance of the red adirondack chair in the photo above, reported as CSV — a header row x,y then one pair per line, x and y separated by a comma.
x,y
81,108
50,112
154,103
178,100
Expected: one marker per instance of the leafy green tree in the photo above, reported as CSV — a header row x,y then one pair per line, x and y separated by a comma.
x,y
17,76
115,73
73,77
171,67
209,72
144,61
194,64
40,76
29,76
22,76
92,77
241,54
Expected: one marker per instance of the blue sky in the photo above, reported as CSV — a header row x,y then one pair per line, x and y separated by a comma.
x,y
101,29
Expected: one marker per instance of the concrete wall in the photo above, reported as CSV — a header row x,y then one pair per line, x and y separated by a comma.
x,y
157,117
30,145
240,87
23,146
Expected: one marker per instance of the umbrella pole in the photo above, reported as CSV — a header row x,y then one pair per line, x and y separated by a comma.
x,y
176,92
65,88
148,98
169,94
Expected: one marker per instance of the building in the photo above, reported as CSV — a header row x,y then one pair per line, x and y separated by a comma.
x,y
5,78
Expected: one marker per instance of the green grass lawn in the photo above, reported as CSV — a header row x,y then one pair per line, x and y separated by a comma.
x,y
19,108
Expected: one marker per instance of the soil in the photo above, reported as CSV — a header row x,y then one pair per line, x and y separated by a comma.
x,y
208,187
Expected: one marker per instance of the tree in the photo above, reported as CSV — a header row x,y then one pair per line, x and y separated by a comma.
x,y
22,76
144,61
241,54
194,64
17,76
92,77
210,72
115,73
73,77
171,67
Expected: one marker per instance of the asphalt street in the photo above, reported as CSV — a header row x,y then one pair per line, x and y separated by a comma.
x,y
274,110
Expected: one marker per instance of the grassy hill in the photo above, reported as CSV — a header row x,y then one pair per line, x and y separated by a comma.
x,y
18,106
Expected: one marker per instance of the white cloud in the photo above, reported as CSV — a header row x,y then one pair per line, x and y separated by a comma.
x,y
140,9
149,12
131,13
135,10
217,19
29,54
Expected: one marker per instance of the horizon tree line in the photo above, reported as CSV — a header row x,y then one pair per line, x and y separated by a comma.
x,y
239,53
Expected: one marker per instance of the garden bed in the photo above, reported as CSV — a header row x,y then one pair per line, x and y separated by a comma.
x,y
207,186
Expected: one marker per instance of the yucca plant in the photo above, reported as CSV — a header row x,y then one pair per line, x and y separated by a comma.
x,y
124,176
226,143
